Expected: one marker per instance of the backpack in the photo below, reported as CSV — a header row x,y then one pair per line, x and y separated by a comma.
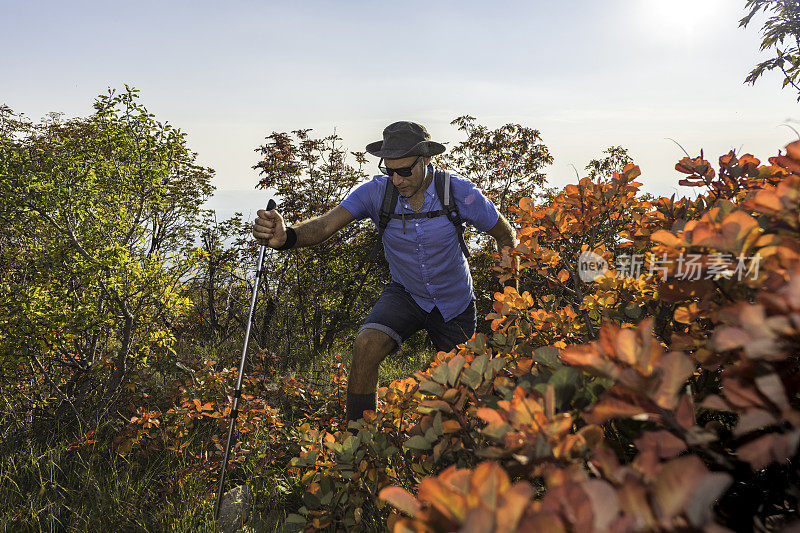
x,y
441,179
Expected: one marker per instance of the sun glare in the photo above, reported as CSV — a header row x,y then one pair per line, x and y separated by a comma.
x,y
678,19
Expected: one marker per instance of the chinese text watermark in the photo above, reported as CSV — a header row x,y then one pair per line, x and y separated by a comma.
x,y
686,266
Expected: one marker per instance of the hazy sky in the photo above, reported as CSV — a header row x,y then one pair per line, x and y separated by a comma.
x,y
587,74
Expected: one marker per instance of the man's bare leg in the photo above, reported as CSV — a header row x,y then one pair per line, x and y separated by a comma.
x,y
370,348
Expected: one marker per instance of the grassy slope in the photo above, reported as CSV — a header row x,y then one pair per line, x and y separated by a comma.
x,y
45,487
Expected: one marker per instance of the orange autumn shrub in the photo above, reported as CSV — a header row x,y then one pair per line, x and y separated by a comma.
x,y
659,391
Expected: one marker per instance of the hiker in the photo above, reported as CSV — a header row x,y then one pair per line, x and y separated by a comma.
x,y
431,285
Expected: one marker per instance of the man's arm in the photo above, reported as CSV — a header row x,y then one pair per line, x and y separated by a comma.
x,y
503,233
270,229
505,236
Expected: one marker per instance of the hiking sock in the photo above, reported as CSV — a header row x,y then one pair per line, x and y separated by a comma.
x,y
357,403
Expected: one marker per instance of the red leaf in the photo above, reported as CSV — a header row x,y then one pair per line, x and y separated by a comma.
x,y
728,338
771,386
634,502
752,420
605,505
588,358
773,447
686,486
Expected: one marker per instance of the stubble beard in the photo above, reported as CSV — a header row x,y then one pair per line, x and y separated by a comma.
x,y
422,183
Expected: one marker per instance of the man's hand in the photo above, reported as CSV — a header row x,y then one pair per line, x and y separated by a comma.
x,y
269,228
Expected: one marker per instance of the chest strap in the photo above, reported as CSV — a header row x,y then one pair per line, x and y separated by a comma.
x,y
450,210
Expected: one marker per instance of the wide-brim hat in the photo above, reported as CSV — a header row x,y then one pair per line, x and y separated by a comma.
x,y
404,139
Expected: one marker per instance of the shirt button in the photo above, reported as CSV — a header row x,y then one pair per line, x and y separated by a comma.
x,y
416,224
427,284
423,264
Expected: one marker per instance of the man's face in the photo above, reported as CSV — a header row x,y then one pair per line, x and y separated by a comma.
x,y
408,186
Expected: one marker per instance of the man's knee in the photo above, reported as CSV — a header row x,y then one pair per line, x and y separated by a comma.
x,y
371,347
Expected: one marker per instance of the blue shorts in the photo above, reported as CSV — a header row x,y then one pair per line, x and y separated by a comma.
x,y
399,316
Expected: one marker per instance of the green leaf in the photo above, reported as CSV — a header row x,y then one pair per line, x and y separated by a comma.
x,y
564,381
311,500
439,374
470,378
417,442
479,364
634,311
391,450
478,344
494,366
548,356
432,387
437,424
454,367
295,519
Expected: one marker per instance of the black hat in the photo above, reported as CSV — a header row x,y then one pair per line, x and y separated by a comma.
x,y
404,139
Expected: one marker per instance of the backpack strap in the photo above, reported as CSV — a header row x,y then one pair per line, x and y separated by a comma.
x,y
442,179
390,195
426,214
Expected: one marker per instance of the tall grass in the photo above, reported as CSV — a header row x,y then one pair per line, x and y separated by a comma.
x,y
45,486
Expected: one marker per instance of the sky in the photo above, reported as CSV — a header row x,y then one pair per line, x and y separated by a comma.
x,y
588,74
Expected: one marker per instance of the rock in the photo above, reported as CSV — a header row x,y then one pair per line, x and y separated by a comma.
x,y
234,510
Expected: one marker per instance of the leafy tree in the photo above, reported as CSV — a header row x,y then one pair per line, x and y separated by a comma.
x,y
781,33
322,293
615,161
506,162
98,212
221,286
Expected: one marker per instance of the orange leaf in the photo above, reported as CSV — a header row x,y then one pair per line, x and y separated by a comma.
x,y
448,502
401,499
450,426
687,313
588,358
619,403
676,368
512,506
488,483
667,238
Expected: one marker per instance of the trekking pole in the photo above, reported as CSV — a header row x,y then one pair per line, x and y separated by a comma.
x,y
238,391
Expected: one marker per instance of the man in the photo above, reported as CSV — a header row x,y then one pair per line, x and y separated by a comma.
x,y
431,285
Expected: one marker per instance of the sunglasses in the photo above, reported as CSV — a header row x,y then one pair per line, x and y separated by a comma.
x,y
404,171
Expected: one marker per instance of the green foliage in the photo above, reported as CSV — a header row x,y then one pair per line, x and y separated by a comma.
x,y
623,403
507,162
322,292
97,214
781,34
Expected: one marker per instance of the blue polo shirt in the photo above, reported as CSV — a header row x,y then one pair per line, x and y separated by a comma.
x,y
426,258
